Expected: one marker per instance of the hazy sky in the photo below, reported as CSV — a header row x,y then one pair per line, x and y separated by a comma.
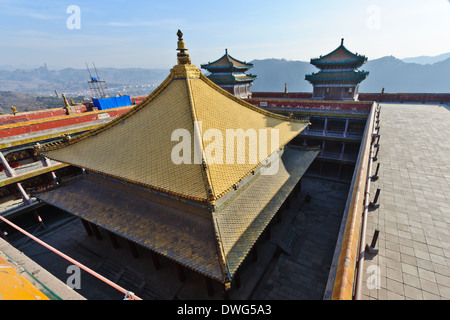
x,y
119,33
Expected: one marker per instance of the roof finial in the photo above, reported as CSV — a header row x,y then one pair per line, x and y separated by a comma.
x,y
226,51
66,104
342,41
285,88
183,57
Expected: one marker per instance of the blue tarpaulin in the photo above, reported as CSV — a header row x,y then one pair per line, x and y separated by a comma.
x,y
113,102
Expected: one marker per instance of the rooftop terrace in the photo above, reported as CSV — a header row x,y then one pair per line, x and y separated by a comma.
x,y
413,217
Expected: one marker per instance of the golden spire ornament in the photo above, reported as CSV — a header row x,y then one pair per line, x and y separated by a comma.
x,y
183,57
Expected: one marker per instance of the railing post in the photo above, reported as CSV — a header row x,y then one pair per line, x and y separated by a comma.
x,y
375,176
372,249
375,157
374,203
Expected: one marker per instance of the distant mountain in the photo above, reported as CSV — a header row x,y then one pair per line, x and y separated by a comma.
x,y
75,81
397,76
390,73
427,59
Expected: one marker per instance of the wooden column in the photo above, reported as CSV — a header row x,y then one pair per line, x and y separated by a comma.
x,y
325,126
298,188
113,239
209,287
133,249
342,150
155,260
96,232
180,271
268,233
87,227
346,127
255,253
295,191
288,202
237,281
279,218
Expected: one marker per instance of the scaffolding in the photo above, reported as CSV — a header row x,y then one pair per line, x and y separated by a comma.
x,y
97,86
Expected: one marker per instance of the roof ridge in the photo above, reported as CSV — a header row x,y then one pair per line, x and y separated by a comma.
x,y
341,46
215,61
204,168
250,106
211,196
240,61
228,57
221,252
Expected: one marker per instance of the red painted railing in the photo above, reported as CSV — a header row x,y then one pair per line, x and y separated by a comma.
x,y
312,104
405,97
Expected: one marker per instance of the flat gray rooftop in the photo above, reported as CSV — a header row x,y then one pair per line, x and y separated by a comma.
x,y
413,217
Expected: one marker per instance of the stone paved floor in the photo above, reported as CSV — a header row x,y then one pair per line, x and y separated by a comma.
x,y
414,213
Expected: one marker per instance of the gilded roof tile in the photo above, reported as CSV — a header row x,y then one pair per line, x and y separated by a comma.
x,y
137,146
135,150
186,238
257,205
213,244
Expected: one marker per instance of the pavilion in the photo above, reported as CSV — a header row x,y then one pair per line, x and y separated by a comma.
x,y
139,182
338,78
229,74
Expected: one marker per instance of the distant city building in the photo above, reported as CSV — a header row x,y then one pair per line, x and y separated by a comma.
x,y
338,78
229,73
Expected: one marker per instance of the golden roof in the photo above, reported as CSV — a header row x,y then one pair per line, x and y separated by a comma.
x,y
137,146
213,244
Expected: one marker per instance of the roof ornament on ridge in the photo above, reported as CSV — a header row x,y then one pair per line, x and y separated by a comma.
x,y
183,57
